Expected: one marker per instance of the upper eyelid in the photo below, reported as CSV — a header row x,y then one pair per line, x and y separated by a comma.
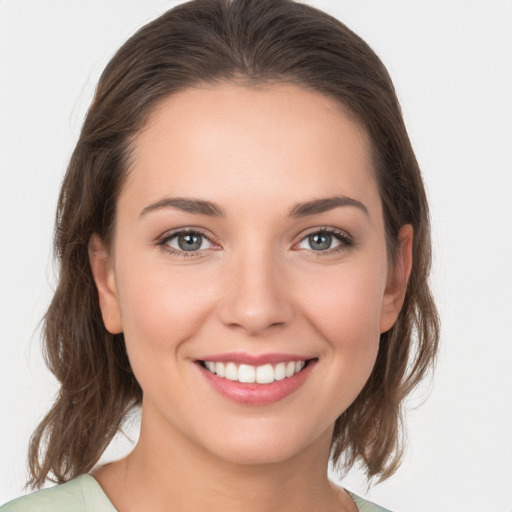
x,y
326,229
184,230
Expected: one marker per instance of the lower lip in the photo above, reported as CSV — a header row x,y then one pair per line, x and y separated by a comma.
x,y
257,394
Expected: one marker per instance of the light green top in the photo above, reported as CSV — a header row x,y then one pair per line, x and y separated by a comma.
x,y
84,494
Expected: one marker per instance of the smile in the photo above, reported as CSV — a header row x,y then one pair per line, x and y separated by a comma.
x,y
256,380
245,373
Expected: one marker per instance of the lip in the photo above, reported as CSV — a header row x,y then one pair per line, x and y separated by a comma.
x,y
254,359
256,394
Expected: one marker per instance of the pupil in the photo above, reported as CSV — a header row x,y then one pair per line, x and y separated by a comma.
x,y
189,242
320,241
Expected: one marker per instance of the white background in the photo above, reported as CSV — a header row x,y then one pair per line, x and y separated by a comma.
x,y
451,63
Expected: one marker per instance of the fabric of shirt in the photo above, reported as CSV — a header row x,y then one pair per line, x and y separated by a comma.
x,y
84,494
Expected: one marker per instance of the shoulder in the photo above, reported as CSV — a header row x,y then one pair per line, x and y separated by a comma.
x,y
82,494
366,506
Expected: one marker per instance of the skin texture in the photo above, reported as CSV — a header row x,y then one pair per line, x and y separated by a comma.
x,y
256,286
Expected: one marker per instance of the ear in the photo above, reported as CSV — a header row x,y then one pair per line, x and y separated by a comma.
x,y
398,277
104,277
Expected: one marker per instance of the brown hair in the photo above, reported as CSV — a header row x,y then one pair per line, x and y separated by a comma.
x,y
208,41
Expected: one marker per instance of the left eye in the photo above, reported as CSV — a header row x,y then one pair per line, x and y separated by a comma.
x,y
188,242
320,241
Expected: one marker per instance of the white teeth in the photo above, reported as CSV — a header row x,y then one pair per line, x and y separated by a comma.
x,y
231,371
280,371
246,373
220,369
265,374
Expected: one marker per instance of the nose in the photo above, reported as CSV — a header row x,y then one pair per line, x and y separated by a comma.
x,y
256,295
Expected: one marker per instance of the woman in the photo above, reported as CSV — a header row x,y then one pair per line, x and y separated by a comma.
x,y
244,244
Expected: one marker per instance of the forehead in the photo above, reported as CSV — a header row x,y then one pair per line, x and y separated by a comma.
x,y
223,142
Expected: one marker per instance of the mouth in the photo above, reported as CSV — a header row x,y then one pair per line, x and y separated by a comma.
x,y
250,374
256,380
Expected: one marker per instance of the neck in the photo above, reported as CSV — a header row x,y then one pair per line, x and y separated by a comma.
x,y
169,472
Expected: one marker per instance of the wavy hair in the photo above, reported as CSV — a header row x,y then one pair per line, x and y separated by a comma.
x,y
219,41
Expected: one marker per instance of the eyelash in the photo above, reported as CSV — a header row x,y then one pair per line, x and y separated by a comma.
x,y
344,239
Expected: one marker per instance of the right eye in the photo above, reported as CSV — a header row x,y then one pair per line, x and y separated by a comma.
x,y
187,242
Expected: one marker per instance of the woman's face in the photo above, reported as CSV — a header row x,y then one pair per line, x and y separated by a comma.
x,y
249,243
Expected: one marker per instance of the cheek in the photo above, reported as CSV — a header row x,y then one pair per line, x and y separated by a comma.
x,y
343,311
161,307
345,306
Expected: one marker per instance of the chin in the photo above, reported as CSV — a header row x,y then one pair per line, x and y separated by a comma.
x,y
268,444
256,455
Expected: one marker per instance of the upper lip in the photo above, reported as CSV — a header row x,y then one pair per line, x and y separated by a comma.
x,y
254,359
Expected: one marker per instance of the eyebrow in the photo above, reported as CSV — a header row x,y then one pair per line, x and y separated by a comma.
x,y
323,205
202,207
197,206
